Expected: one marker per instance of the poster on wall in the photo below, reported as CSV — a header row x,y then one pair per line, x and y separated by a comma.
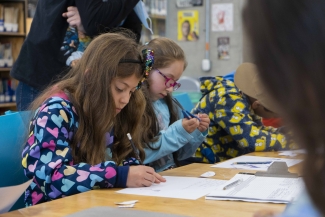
x,y
188,25
188,3
222,17
223,44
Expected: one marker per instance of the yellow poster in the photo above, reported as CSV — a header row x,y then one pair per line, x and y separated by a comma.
x,y
188,25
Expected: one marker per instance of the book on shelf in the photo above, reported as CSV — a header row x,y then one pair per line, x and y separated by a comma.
x,y
1,18
9,18
8,90
6,59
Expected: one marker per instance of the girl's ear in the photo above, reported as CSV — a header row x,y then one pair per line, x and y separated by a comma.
x,y
256,104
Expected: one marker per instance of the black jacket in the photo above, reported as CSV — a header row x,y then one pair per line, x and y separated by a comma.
x,y
42,57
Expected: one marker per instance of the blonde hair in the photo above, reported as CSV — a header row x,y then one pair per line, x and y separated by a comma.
x,y
88,84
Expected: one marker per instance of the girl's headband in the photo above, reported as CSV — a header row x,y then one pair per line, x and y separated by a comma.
x,y
148,60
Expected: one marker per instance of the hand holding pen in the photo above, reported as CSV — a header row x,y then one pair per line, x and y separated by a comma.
x,y
186,114
141,176
204,123
190,124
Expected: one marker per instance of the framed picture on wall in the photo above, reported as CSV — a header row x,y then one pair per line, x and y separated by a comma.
x,y
188,25
223,48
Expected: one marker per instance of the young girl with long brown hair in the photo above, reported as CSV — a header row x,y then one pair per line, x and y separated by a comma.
x,y
169,136
77,138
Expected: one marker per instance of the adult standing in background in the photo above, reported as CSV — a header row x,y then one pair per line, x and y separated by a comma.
x,y
42,58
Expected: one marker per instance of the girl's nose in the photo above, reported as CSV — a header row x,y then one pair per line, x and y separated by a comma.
x,y
170,89
125,99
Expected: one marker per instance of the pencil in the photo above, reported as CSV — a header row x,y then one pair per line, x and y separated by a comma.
x,y
134,148
256,162
233,184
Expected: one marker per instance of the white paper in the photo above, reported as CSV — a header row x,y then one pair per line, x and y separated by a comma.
x,y
11,194
178,187
292,153
259,189
261,167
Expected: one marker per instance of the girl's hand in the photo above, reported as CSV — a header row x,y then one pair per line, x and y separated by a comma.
x,y
204,123
74,18
190,124
140,176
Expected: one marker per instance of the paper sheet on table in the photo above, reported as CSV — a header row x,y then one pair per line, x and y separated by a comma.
x,y
292,153
259,189
261,167
11,194
178,187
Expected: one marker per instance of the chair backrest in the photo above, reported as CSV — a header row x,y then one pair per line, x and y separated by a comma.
x,y
185,100
230,76
13,133
189,84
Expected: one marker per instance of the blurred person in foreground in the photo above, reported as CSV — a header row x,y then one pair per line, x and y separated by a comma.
x,y
293,70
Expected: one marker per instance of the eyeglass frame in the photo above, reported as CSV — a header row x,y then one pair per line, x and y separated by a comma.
x,y
175,84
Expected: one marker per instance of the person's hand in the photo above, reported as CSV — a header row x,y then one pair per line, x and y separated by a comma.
x,y
204,123
190,124
140,176
74,18
74,62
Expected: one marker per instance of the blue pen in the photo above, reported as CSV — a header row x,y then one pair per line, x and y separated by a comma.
x,y
257,162
186,114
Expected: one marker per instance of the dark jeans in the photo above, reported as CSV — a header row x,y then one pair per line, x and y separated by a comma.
x,y
25,95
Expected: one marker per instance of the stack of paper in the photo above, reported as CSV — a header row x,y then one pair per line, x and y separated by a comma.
x,y
259,189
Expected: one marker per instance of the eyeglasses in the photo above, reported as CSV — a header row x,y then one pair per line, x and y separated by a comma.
x,y
169,82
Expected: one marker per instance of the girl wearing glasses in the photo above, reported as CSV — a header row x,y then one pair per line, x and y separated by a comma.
x,y
169,136
72,146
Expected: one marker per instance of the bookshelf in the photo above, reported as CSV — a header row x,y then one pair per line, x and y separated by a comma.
x,y
13,36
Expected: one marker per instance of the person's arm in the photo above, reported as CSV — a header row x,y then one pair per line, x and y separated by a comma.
x,y
96,14
175,138
47,155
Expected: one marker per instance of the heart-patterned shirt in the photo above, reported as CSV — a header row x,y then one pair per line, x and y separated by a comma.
x,y
48,160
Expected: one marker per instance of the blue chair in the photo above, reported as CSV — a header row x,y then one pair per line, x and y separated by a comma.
x,y
13,134
230,76
185,100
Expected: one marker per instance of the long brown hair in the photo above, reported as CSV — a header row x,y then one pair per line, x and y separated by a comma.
x,y
88,85
166,52
289,49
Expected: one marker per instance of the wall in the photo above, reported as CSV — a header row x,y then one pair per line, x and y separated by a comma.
x,y
195,50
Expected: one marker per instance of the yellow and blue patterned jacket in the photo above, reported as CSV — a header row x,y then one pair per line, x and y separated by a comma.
x,y
234,128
